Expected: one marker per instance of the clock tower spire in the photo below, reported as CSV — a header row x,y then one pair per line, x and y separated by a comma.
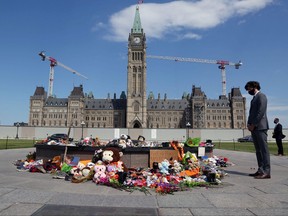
x,y
136,116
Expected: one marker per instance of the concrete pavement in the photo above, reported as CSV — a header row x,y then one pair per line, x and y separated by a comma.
x,y
25,193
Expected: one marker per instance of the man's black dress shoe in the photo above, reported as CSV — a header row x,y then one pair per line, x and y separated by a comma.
x,y
255,174
263,176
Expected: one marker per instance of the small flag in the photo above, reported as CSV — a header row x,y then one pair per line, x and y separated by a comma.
x,y
140,1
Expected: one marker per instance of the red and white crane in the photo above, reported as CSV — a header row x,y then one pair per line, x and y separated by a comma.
x,y
222,65
53,63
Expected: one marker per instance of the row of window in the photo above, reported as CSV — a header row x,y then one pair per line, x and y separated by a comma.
x,y
138,56
219,117
56,104
218,105
100,106
64,123
98,118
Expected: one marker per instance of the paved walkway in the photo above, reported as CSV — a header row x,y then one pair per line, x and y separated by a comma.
x,y
24,193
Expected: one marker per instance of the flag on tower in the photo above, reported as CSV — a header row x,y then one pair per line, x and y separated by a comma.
x,y
140,1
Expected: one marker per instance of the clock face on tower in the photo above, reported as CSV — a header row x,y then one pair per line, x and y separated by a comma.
x,y
137,40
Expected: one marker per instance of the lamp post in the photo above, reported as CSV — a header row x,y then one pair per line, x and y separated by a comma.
x,y
82,125
188,125
17,125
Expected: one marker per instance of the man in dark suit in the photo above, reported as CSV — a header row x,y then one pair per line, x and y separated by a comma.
x,y
278,135
258,126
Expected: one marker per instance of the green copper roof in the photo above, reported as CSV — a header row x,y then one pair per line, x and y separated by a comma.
x,y
137,28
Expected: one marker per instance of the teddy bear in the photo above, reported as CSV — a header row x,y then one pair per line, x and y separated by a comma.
x,y
164,166
100,172
111,157
124,141
177,167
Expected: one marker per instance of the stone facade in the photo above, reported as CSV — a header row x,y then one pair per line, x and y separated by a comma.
x,y
136,110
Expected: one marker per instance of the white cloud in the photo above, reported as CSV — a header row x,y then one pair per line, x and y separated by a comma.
x,y
181,17
192,36
98,26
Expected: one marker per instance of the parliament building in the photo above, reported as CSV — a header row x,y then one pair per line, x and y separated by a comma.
x,y
134,108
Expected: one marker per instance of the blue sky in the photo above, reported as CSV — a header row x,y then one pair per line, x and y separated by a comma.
x,y
91,38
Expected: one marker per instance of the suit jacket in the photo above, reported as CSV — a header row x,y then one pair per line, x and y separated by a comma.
x,y
258,112
278,131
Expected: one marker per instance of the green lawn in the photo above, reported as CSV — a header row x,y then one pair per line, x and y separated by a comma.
x,y
249,147
16,143
235,146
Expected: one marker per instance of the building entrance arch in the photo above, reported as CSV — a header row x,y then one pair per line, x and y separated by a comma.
x,y
137,124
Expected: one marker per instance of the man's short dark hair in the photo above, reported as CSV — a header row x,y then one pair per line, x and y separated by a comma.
x,y
252,84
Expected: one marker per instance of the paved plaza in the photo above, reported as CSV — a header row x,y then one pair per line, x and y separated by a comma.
x,y
25,193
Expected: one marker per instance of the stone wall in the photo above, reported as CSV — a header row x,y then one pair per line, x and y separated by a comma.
x,y
105,134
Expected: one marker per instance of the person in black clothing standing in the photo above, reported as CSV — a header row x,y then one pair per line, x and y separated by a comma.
x,y
278,135
257,124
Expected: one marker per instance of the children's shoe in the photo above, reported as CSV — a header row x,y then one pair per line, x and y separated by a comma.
x,y
59,175
41,169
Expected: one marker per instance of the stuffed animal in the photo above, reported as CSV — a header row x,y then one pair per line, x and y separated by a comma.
x,y
125,141
122,143
90,165
80,166
178,147
111,157
97,156
86,171
100,172
177,167
164,166
56,161
77,171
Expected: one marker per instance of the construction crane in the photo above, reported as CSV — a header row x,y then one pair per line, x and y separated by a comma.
x,y
53,63
222,65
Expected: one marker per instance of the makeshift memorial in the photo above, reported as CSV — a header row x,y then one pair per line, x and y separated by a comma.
x,y
107,168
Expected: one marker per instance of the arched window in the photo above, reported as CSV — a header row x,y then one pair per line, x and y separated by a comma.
x,y
136,107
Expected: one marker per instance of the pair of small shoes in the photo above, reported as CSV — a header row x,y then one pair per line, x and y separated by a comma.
x,y
255,174
59,175
263,176
21,169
